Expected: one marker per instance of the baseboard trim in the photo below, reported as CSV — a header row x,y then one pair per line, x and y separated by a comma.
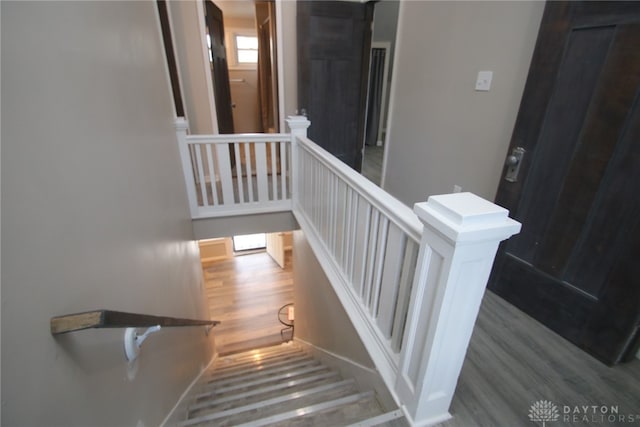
x,y
170,419
366,377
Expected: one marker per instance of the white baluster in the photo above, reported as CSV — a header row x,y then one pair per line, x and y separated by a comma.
x,y
284,169
274,170
197,149
261,171
249,167
212,174
239,177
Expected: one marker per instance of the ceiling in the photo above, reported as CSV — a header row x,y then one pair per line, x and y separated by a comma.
x,y
236,8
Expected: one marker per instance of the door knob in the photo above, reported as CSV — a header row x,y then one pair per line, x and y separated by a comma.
x,y
513,162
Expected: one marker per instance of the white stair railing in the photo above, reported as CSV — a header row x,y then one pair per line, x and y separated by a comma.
x,y
235,174
411,285
410,281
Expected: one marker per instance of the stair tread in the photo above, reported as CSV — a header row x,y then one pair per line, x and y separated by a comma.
x,y
282,386
255,374
256,365
276,349
261,393
290,399
388,419
207,393
226,364
341,415
289,416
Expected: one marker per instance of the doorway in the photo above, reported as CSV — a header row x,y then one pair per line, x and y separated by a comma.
x,y
375,127
250,43
246,287
572,179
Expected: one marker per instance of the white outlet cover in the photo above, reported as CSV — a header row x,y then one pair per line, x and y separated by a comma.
x,y
483,83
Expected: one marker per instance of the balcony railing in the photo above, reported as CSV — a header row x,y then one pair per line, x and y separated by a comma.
x,y
235,174
410,281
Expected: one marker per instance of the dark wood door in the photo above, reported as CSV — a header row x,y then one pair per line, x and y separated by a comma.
x,y
334,41
575,266
219,67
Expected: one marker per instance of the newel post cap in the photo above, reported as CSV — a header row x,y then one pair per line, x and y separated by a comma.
x,y
181,124
298,122
465,217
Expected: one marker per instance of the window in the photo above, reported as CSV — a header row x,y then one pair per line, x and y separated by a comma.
x,y
249,242
246,49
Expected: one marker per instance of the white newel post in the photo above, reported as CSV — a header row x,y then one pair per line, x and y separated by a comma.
x,y
181,132
298,126
459,242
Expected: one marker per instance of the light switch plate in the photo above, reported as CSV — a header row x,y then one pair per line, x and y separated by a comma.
x,y
483,83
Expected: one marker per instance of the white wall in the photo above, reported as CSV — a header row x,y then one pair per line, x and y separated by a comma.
x,y
197,89
288,12
320,317
442,131
95,215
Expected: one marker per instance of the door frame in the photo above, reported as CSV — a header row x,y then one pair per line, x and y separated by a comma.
x,y
386,45
204,48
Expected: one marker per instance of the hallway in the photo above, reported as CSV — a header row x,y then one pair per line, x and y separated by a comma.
x,y
245,293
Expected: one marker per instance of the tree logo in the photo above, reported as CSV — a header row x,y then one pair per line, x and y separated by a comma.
x,y
543,411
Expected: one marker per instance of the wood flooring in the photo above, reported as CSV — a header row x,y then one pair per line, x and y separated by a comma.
x,y
372,163
245,293
512,362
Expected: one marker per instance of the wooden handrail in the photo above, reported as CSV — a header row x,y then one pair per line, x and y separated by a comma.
x,y
117,319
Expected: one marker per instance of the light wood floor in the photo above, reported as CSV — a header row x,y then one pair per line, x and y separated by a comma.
x,y
245,293
512,362
372,163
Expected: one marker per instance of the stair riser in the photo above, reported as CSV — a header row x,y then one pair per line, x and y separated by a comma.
x,y
239,388
253,396
225,364
261,365
282,386
284,403
276,403
251,376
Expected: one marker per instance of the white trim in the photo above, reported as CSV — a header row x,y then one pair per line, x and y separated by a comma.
x,y
182,398
280,64
175,58
392,98
164,55
238,137
401,215
207,67
338,357
386,363
367,378
379,419
242,209
386,45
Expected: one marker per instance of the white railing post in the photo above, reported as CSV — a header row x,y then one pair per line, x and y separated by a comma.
x,y
181,132
298,126
459,242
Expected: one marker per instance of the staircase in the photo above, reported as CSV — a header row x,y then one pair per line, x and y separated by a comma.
x,y
282,386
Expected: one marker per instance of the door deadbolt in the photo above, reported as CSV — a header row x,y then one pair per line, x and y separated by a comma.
x,y
513,162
